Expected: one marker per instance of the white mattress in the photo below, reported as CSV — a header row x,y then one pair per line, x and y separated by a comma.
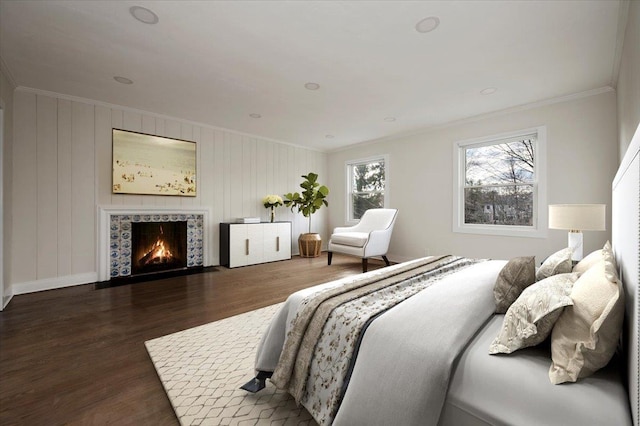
x,y
515,390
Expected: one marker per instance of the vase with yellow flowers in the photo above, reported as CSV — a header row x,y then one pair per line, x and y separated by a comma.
x,y
271,202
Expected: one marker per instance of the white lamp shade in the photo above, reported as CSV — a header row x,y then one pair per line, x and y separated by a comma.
x,y
578,217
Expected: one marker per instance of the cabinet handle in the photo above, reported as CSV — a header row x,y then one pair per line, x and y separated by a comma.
x,y
246,243
277,243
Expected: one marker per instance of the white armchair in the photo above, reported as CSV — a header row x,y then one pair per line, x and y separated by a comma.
x,y
370,237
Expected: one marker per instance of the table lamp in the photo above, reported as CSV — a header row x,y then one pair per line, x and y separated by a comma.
x,y
577,218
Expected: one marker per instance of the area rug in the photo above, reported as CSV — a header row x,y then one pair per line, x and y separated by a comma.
x,y
202,369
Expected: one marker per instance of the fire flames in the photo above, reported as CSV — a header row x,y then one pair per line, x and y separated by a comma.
x,y
158,253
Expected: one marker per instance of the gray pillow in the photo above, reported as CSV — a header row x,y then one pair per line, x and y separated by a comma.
x,y
518,274
531,318
558,263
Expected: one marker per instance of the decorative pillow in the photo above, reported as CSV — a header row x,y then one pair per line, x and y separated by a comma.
x,y
588,262
558,263
586,335
529,320
518,274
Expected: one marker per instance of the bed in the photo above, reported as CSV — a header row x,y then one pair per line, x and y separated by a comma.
x,y
424,360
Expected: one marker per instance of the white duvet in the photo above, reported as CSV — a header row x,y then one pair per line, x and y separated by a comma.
x,y
402,370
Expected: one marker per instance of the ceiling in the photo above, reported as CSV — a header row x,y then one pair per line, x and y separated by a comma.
x,y
219,62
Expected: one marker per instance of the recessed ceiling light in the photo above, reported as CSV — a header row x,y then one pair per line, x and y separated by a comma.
x,y
123,80
312,86
254,115
390,119
428,24
488,91
329,136
144,15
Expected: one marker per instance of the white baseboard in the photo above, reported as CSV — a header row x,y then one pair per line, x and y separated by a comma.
x,y
5,301
53,283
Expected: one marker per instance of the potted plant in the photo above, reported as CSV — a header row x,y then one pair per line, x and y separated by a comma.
x,y
307,203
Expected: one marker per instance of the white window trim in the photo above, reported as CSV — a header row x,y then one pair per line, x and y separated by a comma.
x,y
540,211
347,168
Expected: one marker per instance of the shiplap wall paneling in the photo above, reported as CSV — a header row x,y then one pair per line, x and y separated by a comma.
x,y
173,129
25,202
192,134
160,200
64,188
297,169
83,231
103,157
236,173
248,168
282,181
47,186
149,127
132,121
219,176
262,177
206,193
117,123
226,187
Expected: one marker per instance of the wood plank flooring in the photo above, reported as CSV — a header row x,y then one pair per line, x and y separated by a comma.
x,y
77,355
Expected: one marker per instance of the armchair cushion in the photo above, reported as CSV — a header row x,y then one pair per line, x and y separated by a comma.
x,y
353,239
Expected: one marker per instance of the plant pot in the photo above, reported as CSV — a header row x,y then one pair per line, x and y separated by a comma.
x,y
309,245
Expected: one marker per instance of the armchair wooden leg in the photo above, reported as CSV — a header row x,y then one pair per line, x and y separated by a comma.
x,y
329,256
386,260
364,264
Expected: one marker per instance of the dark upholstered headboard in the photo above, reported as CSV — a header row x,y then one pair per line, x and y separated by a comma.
x,y
625,237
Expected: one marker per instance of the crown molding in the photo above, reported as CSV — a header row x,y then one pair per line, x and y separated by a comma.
x,y
156,115
623,17
4,68
472,119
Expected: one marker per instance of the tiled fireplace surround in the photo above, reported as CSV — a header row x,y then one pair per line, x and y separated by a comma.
x,y
114,242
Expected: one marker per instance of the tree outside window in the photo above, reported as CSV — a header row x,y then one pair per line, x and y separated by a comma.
x,y
366,186
499,183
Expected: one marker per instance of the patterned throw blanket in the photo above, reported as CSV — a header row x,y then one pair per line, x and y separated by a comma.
x,y
326,331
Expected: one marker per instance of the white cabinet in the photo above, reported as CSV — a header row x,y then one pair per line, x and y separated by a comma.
x,y
244,244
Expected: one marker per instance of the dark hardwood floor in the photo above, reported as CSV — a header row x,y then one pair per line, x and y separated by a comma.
x,y
77,355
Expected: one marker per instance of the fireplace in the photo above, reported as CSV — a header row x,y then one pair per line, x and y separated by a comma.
x,y
158,247
118,258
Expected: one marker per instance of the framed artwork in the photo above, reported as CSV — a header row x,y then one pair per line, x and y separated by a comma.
x,y
153,165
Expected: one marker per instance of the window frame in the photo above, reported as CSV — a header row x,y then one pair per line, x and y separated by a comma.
x,y
540,214
349,164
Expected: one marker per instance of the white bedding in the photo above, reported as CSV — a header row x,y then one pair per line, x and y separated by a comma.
x,y
515,389
401,376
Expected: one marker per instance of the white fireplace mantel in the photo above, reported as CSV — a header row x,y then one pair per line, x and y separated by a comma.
x,y
104,219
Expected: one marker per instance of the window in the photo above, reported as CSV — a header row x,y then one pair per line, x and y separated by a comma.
x,y
500,184
366,186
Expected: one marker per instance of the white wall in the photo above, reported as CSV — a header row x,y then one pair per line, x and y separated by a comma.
x,y
62,173
582,160
629,80
6,103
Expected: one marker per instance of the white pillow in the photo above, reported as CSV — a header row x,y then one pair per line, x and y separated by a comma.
x,y
529,320
558,263
588,261
586,335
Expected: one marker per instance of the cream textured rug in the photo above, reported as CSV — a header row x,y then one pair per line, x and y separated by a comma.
x,y
202,369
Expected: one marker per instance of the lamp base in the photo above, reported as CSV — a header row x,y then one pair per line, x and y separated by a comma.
x,y
575,243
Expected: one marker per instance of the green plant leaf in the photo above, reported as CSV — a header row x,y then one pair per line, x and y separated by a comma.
x,y
311,199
